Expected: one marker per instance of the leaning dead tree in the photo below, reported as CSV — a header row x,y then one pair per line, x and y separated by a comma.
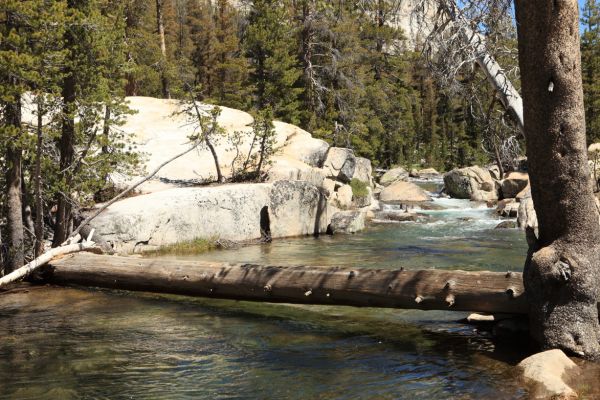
x,y
562,272
455,42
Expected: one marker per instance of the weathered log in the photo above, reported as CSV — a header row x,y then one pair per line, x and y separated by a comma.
x,y
483,291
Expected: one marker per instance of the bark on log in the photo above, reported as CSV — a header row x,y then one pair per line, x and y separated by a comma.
x,y
484,291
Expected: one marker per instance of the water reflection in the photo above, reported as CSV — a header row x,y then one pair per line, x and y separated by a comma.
x,y
69,343
72,344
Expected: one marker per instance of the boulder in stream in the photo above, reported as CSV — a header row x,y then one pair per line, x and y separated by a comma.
x,y
393,175
403,192
474,183
547,372
347,222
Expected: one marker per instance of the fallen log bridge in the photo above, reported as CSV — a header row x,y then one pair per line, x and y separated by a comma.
x,y
483,291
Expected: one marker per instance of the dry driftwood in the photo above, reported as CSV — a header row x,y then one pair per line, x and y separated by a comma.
x,y
45,258
484,291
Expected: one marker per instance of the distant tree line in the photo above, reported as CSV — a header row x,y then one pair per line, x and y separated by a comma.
x,y
342,70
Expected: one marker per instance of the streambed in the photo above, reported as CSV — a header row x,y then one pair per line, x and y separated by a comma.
x,y
73,343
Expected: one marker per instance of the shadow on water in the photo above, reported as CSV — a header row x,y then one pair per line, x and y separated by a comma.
x,y
72,343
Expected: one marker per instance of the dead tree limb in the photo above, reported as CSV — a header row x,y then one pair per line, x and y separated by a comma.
x,y
484,291
45,259
130,189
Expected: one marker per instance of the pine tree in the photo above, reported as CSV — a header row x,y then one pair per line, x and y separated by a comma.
x,y
221,68
270,46
590,63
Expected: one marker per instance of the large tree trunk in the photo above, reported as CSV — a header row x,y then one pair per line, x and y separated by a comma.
x,y
484,291
39,204
561,272
163,49
66,148
14,153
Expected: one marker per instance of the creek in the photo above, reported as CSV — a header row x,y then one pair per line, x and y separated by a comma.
x,y
68,343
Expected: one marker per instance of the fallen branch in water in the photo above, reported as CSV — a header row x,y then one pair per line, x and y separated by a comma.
x,y
69,247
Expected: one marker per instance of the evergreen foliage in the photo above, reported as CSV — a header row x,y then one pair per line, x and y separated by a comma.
x,y
590,62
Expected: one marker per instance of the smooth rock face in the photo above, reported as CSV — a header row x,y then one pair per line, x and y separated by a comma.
x,y
347,222
546,371
285,168
526,214
344,196
297,209
393,175
403,192
340,164
159,130
236,212
363,170
514,183
473,183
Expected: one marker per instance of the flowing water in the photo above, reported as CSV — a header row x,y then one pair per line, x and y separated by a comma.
x,y
72,343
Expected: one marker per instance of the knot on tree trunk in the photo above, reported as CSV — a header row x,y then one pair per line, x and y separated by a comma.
x,y
563,299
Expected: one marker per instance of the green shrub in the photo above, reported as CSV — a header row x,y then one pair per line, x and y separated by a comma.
x,y
359,188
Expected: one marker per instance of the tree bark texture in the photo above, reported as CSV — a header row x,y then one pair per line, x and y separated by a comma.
x,y
67,151
14,211
561,272
39,204
484,291
163,49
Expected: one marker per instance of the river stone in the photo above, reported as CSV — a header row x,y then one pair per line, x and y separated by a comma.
x,y
427,173
395,216
547,371
393,175
473,183
403,192
347,222
237,212
506,225
513,183
508,208
340,164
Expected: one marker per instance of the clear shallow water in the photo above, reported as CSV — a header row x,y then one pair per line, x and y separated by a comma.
x,y
70,343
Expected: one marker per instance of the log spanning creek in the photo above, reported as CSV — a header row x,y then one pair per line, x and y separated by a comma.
x,y
69,343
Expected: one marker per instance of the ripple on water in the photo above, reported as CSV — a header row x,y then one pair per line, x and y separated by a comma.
x,y
71,344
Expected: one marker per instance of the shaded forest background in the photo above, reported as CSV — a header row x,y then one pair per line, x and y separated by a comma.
x,y
343,70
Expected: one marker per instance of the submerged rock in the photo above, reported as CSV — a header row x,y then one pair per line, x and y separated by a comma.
x,y
403,192
347,222
506,225
395,216
547,372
